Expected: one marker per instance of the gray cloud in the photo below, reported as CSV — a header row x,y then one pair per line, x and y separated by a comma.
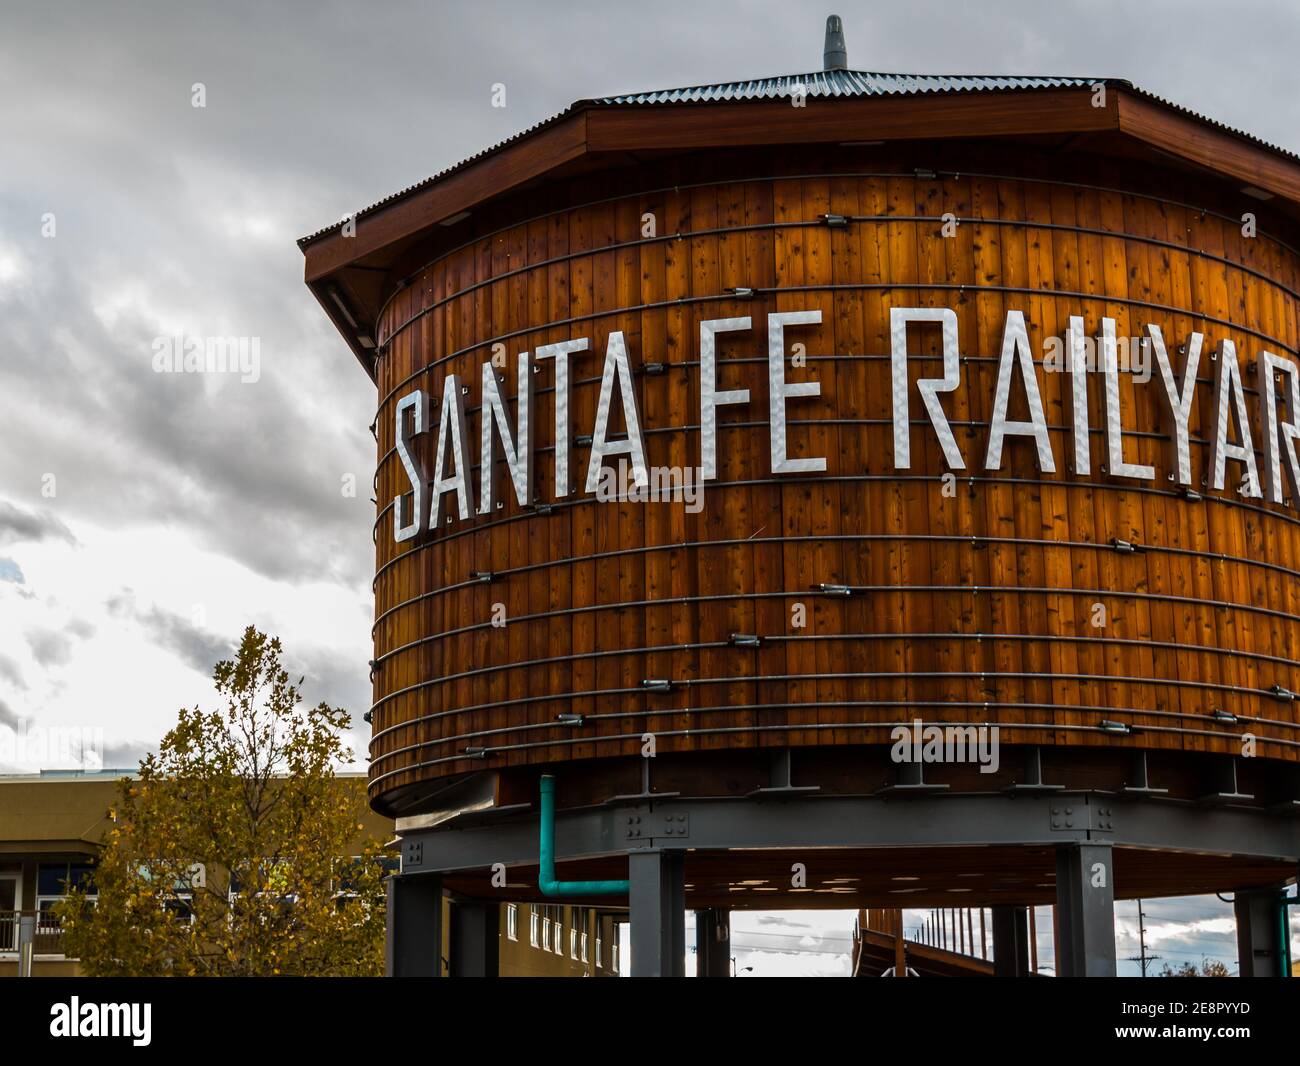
x,y
340,682
327,677
781,921
196,647
126,755
10,671
9,717
193,646
18,525
53,647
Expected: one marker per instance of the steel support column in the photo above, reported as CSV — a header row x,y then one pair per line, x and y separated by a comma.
x,y
1260,949
26,944
1085,903
1010,941
713,943
657,902
474,948
413,934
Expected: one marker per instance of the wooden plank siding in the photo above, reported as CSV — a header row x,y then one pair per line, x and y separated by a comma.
x,y
983,591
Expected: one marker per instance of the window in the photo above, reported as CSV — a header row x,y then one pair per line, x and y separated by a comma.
x,y
512,921
10,901
53,880
548,928
179,899
181,905
578,935
345,883
534,927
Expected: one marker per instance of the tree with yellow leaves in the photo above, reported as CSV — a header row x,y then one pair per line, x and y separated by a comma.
x,y
236,851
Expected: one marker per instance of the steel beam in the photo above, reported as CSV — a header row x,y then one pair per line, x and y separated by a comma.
x,y
413,936
657,902
848,822
474,947
713,942
1085,905
1010,941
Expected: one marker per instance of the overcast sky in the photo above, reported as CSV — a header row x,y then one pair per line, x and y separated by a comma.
x,y
145,518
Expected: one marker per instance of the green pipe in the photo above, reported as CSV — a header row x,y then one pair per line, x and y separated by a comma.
x,y
546,854
1286,930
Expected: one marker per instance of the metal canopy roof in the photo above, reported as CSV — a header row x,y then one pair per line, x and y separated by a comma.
x,y
820,84
846,83
841,84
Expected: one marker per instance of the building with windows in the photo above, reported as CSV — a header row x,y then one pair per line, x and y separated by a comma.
x,y
51,826
555,940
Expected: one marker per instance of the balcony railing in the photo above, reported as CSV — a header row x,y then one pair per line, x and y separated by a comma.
x,y
47,938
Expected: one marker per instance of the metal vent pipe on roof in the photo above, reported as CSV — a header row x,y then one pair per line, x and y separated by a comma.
x,y
835,54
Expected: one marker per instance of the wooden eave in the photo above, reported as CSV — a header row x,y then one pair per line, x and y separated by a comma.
x,y
593,136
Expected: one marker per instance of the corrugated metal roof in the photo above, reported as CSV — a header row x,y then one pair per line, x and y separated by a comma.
x,y
844,83
1214,122
820,83
828,83
303,241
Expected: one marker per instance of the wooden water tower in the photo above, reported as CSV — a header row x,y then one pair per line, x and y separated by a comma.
x,y
735,462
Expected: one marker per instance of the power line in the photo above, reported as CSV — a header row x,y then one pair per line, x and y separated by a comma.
x,y
1142,956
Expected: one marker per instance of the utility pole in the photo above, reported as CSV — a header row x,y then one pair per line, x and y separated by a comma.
x,y
1142,958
